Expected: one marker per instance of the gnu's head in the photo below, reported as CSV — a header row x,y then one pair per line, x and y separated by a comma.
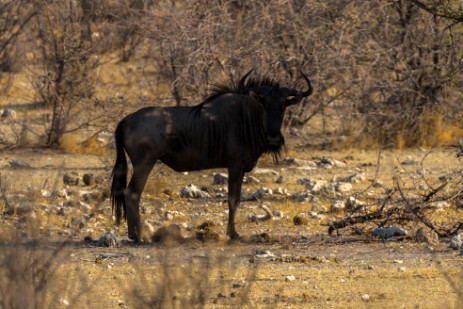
x,y
275,99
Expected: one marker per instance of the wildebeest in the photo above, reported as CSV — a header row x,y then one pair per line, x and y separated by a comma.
x,y
230,129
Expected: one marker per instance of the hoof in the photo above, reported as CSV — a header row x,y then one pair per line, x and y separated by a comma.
x,y
235,236
135,239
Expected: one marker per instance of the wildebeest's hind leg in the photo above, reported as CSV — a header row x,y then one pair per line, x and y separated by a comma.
x,y
141,171
235,180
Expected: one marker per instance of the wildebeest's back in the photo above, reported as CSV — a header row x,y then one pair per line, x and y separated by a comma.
x,y
209,135
213,134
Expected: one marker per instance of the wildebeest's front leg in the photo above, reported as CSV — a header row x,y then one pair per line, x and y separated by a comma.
x,y
132,199
235,180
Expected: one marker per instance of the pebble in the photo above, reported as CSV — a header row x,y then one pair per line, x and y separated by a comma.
x,y
456,241
290,278
365,297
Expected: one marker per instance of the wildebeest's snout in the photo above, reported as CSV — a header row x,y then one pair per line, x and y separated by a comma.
x,y
275,140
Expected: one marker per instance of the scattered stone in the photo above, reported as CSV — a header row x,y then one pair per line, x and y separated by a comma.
x,y
54,193
264,171
353,203
71,179
168,234
261,193
219,178
440,205
171,214
365,297
306,197
240,284
192,191
300,219
8,113
343,187
19,164
277,214
250,179
337,206
290,278
260,218
79,222
456,241
264,254
330,163
299,162
378,184
148,228
314,186
91,179
89,196
388,232
109,239
281,191
426,236
355,178
280,180
402,269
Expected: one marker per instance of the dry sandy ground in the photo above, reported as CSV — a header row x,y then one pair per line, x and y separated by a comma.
x,y
291,267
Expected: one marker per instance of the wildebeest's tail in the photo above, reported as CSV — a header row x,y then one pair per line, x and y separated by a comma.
x,y
119,176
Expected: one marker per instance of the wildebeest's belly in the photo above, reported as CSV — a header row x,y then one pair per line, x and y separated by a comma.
x,y
190,162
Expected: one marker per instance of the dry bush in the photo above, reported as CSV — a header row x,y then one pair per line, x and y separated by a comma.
x,y
72,143
198,283
29,276
382,67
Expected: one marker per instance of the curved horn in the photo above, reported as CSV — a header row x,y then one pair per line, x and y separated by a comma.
x,y
298,95
242,82
308,91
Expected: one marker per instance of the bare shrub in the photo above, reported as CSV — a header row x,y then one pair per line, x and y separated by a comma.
x,y
67,81
198,283
413,200
29,276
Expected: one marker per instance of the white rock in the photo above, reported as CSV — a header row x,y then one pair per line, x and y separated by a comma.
x,y
250,179
365,297
281,191
290,278
355,178
264,254
343,187
330,163
388,232
338,205
352,203
192,191
314,186
456,241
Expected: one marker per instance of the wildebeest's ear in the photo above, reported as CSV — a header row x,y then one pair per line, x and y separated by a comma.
x,y
255,95
294,100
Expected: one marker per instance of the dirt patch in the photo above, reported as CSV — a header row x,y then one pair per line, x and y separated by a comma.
x,y
276,264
